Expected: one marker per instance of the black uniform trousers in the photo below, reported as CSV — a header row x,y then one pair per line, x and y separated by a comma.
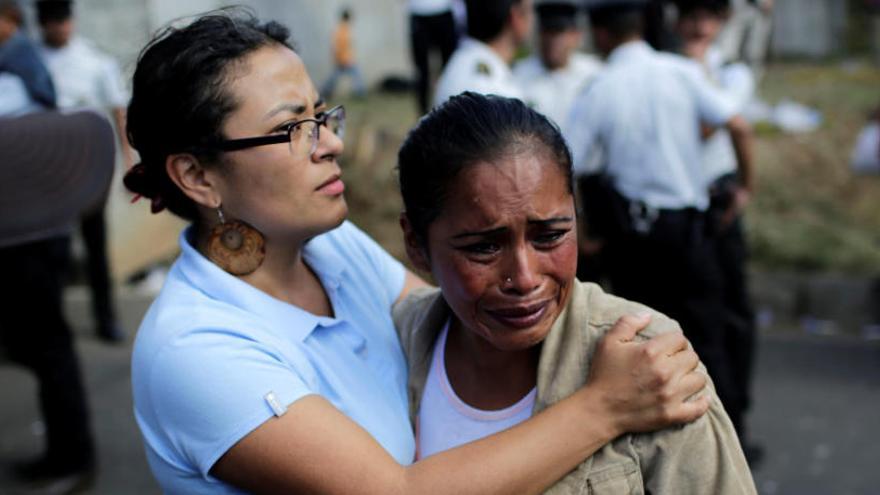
x,y
35,334
674,268
427,33
739,320
93,227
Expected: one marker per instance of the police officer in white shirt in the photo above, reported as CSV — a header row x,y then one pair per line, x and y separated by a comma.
x,y
87,79
640,120
698,26
481,63
557,73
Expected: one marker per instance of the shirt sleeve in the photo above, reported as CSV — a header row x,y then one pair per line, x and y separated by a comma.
x,y
14,98
714,107
581,133
700,457
209,388
738,82
388,271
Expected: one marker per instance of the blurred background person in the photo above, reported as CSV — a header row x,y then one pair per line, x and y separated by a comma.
x,y
496,29
747,34
699,23
25,83
865,158
86,78
640,122
432,30
552,77
658,29
344,58
52,168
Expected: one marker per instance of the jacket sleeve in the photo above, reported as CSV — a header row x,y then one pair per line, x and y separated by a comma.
x,y
408,315
700,457
697,458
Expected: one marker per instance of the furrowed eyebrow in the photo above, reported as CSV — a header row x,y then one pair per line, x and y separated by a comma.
x,y
480,233
543,222
550,221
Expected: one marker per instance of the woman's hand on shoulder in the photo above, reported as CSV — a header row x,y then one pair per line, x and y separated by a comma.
x,y
646,385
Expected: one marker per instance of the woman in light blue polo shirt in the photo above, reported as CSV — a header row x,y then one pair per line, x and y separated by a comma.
x,y
269,362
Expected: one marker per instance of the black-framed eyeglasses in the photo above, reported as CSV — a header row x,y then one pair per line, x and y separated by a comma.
x,y
334,119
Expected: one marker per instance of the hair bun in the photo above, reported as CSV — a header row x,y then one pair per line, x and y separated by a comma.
x,y
143,183
136,180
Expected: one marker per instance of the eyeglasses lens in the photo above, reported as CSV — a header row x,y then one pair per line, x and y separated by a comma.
x,y
310,130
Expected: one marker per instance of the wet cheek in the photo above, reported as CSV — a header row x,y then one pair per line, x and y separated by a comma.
x,y
464,281
564,259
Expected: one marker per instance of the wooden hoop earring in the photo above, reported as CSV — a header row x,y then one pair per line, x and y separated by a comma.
x,y
235,246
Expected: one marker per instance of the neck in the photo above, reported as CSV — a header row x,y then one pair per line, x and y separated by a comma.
x,y
552,68
484,376
284,275
504,46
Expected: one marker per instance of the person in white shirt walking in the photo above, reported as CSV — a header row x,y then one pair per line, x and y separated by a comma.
x,y
558,72
85,78
698,26
641,120
481,63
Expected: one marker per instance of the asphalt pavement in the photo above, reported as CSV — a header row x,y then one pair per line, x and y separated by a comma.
x,y
816,409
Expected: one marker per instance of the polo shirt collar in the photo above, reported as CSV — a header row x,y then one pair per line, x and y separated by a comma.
x,y
213,281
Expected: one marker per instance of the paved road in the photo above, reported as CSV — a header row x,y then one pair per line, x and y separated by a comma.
x,y
816,412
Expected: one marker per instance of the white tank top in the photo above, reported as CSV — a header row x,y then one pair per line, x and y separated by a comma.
x,y
446,422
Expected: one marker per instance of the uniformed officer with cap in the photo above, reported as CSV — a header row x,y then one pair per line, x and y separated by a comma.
x,y
481,63
699,23
639,125
553,77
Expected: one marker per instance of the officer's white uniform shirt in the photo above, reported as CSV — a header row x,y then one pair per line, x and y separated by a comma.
x,y
641,118
84,77
475,67
738,83
552,92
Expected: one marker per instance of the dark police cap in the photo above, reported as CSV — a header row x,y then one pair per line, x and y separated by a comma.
x,y
54,10
615,4
53,168
557,16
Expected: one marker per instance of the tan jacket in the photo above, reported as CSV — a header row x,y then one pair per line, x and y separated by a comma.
x,y
703,457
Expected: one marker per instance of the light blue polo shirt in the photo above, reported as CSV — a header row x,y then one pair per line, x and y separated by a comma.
x,y
212,347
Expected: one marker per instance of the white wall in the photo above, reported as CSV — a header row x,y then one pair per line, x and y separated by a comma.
x,y
380,32
811,28
380,29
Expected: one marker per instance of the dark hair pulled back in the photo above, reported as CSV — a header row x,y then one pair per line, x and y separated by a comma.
x,y
179,98
468,129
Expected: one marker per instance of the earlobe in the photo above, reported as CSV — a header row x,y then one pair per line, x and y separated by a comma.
x,y
191,177
415,250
